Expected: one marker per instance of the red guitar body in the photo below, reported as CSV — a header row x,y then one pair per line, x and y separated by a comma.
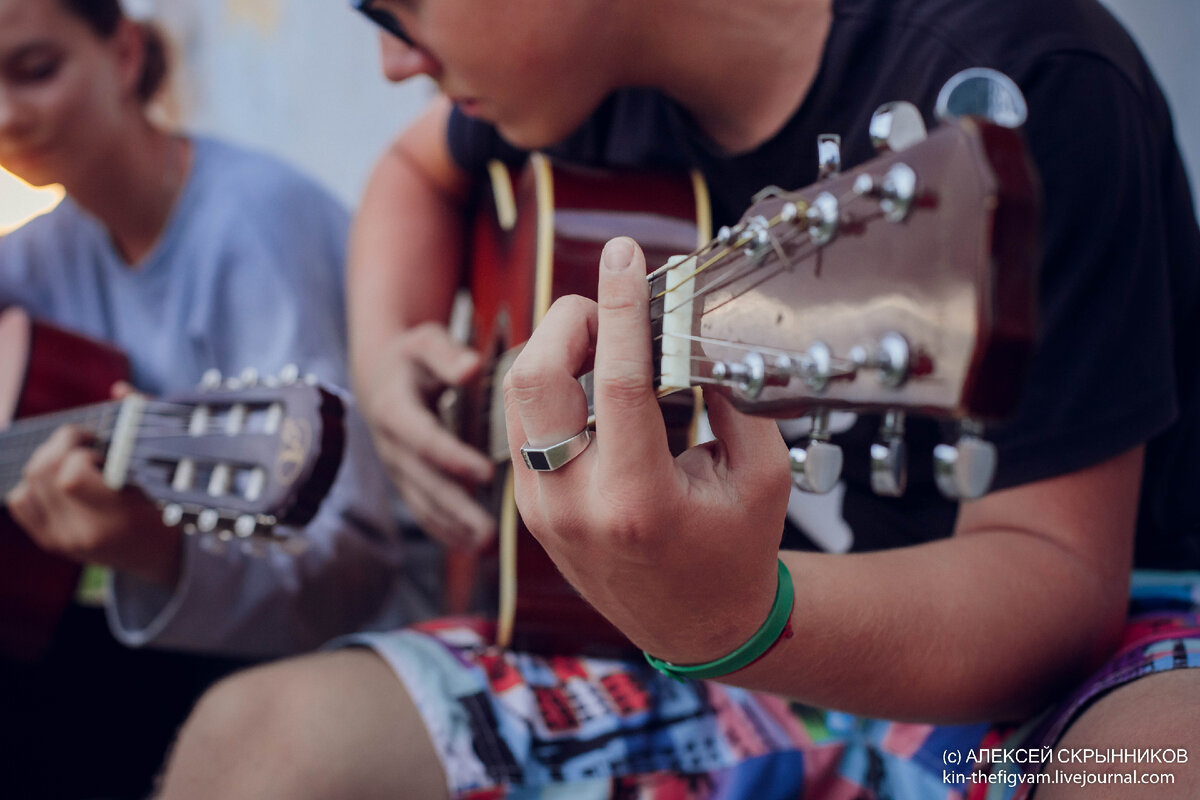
x,y
519,264
42,370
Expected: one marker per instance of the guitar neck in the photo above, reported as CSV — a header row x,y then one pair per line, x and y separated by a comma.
x,y
19,441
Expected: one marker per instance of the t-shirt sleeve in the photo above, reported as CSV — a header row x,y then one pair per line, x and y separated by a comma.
x,y
1102,377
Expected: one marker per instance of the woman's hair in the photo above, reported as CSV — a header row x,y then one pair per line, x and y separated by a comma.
x,y
103,16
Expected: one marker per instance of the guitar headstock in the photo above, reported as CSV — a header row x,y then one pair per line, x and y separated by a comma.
x,y
905,285
237,457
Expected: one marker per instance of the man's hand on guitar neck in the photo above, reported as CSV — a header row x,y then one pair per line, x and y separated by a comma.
x,y
64,505
680,554
434,471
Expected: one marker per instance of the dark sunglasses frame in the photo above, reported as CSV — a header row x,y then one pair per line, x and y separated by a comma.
x,y
383,19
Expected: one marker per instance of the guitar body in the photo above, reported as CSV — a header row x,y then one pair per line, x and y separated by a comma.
x,y
539,239
44,370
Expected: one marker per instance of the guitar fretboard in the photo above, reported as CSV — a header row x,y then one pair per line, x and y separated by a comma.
x,y
23,437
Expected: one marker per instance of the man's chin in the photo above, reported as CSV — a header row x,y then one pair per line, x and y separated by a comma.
x,y
530,136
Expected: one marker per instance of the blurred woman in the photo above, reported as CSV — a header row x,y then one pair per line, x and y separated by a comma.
x,y
188,254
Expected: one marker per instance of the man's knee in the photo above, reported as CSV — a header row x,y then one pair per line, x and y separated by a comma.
x,y
326,725
263,732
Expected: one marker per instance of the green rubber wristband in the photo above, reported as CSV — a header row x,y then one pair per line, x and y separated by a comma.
x,y
762,641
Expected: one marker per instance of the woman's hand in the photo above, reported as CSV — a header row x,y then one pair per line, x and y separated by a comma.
x,y
64,505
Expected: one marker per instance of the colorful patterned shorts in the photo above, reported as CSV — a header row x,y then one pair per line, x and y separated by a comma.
x,y
514,725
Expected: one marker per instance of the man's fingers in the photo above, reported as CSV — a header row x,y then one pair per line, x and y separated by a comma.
x,y
450,362
121,389
423,434
629,425
543,399
442,506
750,443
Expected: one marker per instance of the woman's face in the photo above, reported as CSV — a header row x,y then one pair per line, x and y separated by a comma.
x,y
65,92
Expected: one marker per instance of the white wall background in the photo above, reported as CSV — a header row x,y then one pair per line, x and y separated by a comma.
x,y
1169,34
299,78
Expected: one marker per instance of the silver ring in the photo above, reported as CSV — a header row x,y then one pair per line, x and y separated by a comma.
x,y
548,459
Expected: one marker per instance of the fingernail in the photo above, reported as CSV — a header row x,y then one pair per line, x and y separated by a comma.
x,y
618,254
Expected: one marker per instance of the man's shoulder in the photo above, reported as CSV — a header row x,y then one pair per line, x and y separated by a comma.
x,y
1013,31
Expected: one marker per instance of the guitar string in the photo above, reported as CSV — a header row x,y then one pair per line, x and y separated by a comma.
x,y
844,203
162,412
138,472
156,423
487,382
719,255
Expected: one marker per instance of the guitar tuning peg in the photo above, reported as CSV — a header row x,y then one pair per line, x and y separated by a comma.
x,y
817,466
747,377
172,514
895,127
889,457
249,377
211,379
984,93
891,356
245,526
964,470
829,155
289,375
206,520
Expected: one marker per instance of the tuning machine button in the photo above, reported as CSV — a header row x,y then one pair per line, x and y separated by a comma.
x,y
207,519
964,470
889,457
982,92
211,379
895,127
172,514
245,526
289,375
817,466
829,155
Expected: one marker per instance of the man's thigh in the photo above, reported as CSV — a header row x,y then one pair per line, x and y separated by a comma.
x,y
334,724
1155,720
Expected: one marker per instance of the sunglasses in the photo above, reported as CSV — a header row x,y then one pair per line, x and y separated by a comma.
x,y
383,19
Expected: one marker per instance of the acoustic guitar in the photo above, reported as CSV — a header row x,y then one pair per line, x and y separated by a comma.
x,y
905,285
230,461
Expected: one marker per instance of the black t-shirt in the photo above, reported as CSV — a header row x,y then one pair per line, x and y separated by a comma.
x,y
1116,361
